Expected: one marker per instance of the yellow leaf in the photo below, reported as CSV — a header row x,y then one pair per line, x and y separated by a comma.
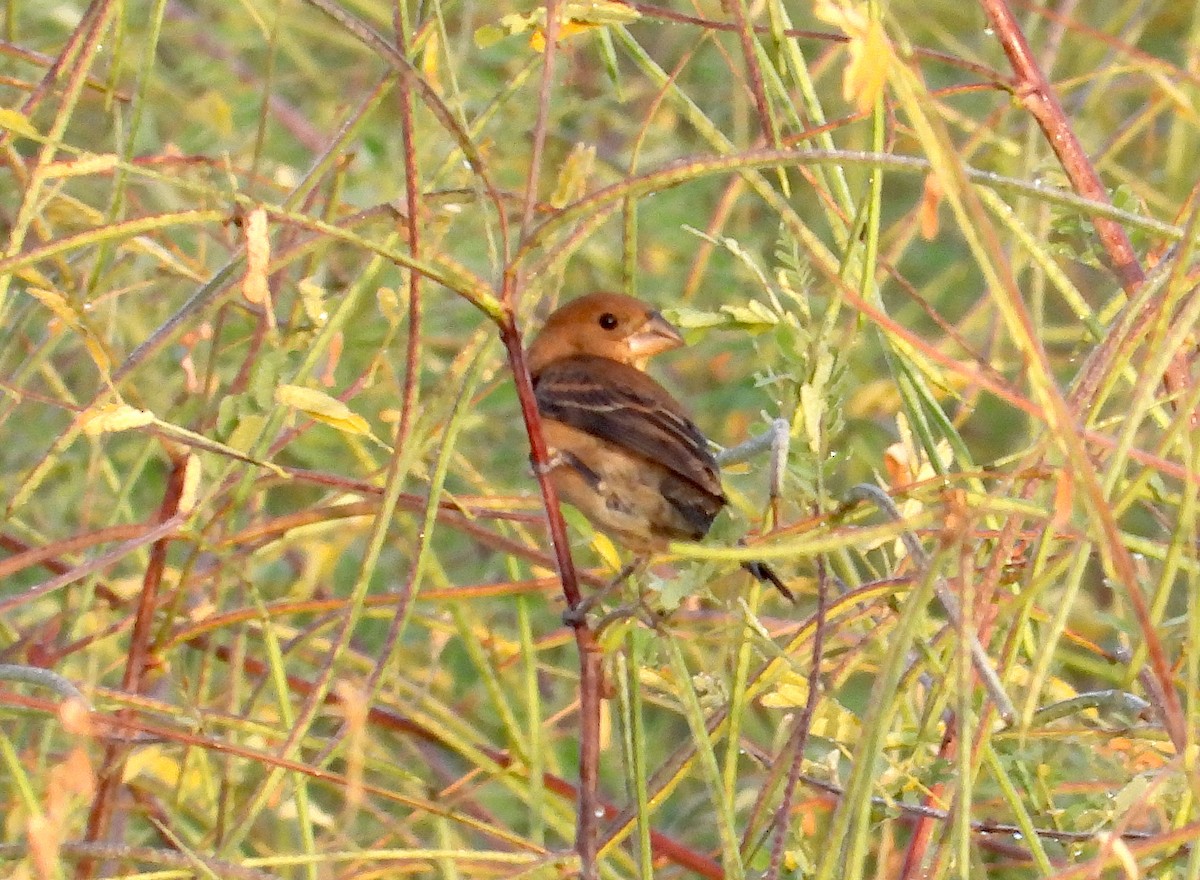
x,y
213,110
115,417
191,484
831,720
488,35
606,550
98,352
600,12
752,316
152,761
258,257
66,312
515,23
31,276
792,694
566,30
246,433
58,304
322,407
312,299
813,406
572,178
575,18
430,60
866,74
93,164
869,49
18,123
390,305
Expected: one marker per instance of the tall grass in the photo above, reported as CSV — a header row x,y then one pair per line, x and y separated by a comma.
x,y
280,594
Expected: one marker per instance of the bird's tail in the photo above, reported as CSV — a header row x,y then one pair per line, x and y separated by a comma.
x,y
767,575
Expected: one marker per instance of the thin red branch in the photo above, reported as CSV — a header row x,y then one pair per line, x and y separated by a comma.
x,y
588,815
539,127
1037,94
587,828
412,199
113,764
798,741
1039,97
746,37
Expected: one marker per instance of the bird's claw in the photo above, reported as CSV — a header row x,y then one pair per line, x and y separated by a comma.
x,y
541,469
576,615
639,611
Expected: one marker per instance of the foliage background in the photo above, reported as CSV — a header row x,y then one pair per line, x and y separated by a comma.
x,y
348,661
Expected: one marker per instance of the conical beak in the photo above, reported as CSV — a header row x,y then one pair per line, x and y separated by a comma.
x,y
654,337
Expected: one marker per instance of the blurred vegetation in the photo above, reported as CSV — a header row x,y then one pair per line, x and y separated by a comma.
x,y
314,608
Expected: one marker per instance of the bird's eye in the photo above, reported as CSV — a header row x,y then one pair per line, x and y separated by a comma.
x,y
608,321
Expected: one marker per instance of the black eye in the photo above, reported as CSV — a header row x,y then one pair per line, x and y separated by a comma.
x,y
608,321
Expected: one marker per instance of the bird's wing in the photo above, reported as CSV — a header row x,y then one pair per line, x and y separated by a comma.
x,y
627,408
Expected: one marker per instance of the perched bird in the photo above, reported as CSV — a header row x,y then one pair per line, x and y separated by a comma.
x,y
622,449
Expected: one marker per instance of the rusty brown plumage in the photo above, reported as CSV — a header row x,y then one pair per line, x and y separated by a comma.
x,y
623,450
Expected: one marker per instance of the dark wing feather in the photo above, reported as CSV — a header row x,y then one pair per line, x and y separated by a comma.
x,y
625,407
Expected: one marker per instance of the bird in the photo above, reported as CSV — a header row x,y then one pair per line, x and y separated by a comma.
x,y
621,448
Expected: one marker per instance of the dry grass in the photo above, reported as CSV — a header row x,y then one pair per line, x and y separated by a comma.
x,y
266,484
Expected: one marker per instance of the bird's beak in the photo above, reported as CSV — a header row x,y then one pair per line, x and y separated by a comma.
x,y
654,337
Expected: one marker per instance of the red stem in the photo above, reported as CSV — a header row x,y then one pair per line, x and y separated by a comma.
x,y
1039,97
412,197
112,767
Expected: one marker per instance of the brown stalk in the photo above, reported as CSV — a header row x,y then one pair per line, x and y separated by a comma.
x,y
412,199
84,38
799,738
1040,99
676,17
113,763
587,834
1036,93
745,34
24,556
589,812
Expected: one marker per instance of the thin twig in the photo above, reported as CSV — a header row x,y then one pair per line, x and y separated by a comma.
x,y
182,862
799,739
412,201
147,536
1039,97
113,764
43,678
369,37
979,656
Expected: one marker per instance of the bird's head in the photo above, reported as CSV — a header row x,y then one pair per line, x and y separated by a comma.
x,y
607,325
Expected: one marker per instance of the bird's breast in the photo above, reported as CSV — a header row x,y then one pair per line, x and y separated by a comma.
x,y
636,501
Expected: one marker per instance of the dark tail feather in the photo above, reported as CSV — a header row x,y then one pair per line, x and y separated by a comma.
x,y
767,575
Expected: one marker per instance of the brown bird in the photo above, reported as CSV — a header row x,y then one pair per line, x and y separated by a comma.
x,y
622,449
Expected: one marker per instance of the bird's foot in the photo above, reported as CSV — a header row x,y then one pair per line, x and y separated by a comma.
x,y
576,615
639,610
553,460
